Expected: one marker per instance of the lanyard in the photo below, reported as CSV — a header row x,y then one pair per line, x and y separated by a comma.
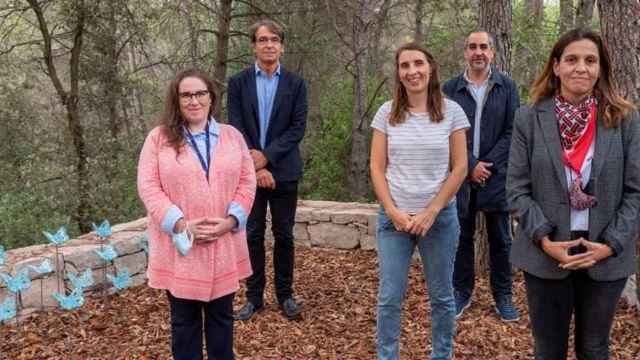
x,y
205,165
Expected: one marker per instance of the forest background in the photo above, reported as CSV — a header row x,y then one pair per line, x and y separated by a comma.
x,y
83,81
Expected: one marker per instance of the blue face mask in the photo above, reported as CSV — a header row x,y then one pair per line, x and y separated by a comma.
x,y
183,242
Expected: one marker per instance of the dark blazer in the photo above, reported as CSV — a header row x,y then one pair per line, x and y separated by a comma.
x,y
537,193
495,136
286,126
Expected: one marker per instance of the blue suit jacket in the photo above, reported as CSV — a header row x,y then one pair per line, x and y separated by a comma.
x,y
495,136
286,125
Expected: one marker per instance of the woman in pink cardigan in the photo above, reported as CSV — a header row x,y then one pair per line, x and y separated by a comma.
x,y
197,181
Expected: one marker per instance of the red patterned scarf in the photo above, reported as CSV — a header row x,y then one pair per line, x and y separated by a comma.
x,y
577,126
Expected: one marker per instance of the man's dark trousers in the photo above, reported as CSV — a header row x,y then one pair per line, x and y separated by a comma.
x,y
499,247
282,202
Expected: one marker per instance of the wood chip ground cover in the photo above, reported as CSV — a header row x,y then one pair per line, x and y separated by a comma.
x,y
337,290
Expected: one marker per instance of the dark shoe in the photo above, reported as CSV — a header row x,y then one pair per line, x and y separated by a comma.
x,y
290,309
462,303
247,311
506,310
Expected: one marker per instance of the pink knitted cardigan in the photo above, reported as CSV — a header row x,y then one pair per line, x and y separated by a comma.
x,y
208,271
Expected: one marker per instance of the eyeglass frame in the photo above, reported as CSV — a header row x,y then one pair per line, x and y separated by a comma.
x,y
186,97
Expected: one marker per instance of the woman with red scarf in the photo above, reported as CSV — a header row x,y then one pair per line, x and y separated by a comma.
x,y
573,182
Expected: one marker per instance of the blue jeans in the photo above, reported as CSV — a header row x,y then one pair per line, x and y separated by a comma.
x,y
437,250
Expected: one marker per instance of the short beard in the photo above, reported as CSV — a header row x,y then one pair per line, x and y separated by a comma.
x,y
475,67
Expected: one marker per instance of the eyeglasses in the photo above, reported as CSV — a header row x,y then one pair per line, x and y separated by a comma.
x,y
186,97
264,40
474,46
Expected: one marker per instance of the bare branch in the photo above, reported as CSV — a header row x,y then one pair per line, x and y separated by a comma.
x,y
47,51
14,46
373,98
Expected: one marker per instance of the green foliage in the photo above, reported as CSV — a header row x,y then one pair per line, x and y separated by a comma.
x,y
24,215
327,151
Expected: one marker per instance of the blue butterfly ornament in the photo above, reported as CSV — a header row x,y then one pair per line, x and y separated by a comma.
x,y
108,253
20,282
8,309
83,281
44,267
59,238
121,281
104,230
71,301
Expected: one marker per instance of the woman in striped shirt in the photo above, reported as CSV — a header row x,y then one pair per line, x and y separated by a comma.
x,y
418,162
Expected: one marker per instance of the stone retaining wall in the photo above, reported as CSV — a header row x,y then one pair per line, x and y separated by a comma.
x,y
75,256
318,224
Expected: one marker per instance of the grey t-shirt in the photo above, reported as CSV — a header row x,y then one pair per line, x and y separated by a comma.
x,y
418,154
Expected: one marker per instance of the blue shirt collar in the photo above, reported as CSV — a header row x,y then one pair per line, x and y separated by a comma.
x,y
214,128
260,72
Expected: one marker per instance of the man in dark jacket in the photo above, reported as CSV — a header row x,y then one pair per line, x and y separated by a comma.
x,y
489,98
268,104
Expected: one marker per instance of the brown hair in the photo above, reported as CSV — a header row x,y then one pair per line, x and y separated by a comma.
x,y
612,107
171,118
435,98
269,24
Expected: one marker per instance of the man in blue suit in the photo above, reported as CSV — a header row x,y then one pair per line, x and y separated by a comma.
x,y
268,104
490,99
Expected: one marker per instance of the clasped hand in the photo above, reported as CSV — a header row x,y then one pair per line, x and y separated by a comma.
x,y
418,224
481,172
206,230
559,250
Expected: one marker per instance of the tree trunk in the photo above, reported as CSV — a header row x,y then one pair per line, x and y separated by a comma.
x,y
621,32
110,73
584,13
360,23
525,63
565,22
135,102
481,244
185,10
222,50
495,17
359,180
376,56
105,38
536,10
70,101
418,33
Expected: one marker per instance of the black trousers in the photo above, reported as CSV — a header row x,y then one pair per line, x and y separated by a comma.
x,y
186,328
551,304
282,202
499,240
